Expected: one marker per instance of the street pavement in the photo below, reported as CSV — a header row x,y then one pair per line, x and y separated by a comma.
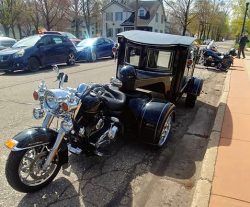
x,y
134,174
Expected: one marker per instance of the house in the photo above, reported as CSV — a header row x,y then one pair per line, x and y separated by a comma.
x,y
118,17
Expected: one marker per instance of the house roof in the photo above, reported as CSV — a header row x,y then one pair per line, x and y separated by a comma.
x,y
153,38
150,6
121,5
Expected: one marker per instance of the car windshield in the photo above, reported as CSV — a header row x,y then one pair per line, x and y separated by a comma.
x,y
69,35
87,42
27,42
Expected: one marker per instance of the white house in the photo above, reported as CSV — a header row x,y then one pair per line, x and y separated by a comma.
x,y
118,17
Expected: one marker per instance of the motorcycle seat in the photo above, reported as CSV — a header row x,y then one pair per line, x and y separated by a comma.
x,y
114,99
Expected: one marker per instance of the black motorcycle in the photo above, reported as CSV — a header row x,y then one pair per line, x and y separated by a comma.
x,y
91,117
210,56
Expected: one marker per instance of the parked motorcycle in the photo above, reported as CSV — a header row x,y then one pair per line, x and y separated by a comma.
x,y
210,56
91,117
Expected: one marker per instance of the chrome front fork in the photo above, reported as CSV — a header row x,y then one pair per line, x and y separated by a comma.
x,y
48,120
54,150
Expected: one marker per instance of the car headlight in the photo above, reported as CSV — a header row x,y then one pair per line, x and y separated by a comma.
x,y
20,53
51,100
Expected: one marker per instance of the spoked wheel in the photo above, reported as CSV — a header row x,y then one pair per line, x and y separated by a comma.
x,y
24,169
166,130
33,64
71,59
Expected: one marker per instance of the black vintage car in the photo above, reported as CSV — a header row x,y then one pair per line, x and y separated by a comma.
x,y
159,62
92,116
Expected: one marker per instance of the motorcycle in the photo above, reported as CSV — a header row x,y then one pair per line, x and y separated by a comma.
x,y
210,56
89,119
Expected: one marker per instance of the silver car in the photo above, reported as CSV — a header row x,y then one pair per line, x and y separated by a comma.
x,y
6,42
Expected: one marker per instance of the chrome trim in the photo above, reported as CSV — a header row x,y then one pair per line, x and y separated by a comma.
x,y
48,120
20,149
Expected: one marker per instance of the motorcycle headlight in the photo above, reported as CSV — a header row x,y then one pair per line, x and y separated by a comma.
x,y
20,53
51,100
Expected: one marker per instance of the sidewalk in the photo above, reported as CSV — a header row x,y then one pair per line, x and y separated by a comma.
x,y
231,181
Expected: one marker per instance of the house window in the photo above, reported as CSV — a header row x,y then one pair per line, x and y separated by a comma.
x,y
156,30
118,30
156,17
110,32
118,16
109,16
162,19
159,60
161,31
141,13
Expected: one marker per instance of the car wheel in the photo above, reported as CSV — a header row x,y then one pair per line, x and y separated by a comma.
x,y
166,129
71,60
190,100
33,64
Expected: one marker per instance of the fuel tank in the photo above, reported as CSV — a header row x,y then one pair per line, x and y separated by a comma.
x,y
90,103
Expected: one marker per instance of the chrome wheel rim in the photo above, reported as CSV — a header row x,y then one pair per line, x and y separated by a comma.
x,y
30,168
165,130
71,58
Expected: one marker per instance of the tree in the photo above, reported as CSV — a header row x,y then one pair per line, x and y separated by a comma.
x,y
52,11
181,10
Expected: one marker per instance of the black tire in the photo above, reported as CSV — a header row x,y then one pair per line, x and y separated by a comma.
x,y
190,100
71,59
33,64
169,117
12,175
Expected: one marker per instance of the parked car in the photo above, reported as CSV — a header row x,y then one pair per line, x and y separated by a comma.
x,y
6,42
37,51
92,49
161,63
72,37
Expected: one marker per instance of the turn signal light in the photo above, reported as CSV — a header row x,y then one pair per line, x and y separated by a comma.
x,y
65,106
10,143
189,62
35,95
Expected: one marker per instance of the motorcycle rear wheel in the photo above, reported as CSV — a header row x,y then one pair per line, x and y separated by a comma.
x,y
28,163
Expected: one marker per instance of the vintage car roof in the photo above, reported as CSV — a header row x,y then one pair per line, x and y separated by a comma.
x,y
154,38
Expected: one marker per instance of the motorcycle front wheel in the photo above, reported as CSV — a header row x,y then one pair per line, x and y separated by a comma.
x,y
24,169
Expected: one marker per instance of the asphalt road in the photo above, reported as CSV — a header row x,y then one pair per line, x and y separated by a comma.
x,y
135,174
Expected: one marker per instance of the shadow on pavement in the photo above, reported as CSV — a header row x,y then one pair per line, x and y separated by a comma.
x,y
116,180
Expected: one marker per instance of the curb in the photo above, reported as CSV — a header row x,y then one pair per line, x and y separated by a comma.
x,y
203,186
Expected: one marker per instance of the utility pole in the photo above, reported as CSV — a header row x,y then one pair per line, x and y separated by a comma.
x,y
244,21
136,13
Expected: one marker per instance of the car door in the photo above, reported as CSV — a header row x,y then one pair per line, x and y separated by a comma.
x,y
46,53
100,48
59,48
109,44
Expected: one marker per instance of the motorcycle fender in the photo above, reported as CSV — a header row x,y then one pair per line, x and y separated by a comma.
x,y
194,86
38,136
152,118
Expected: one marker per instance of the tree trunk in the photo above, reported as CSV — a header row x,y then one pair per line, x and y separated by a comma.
x,y
13,31
6,30
20,31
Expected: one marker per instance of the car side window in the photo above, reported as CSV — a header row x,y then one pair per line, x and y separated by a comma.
x,y
57,40
133,54
107,41
159,60
46,41
100,41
